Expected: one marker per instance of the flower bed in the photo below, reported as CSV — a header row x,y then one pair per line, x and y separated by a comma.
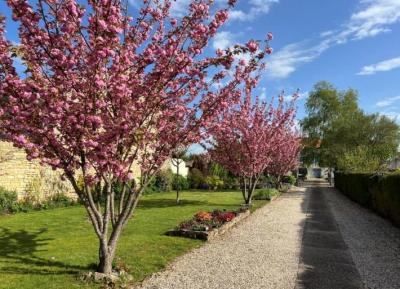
x,y
206,225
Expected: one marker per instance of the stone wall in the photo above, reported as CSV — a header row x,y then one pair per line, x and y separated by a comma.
x,y
28,178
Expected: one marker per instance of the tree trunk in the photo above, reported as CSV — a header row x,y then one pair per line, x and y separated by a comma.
x,y
248,189
106,257
177,177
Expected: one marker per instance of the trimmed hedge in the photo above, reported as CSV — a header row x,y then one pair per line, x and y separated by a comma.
x,y
380,193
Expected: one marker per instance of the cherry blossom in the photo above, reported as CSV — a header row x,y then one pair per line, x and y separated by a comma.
x,y
104,92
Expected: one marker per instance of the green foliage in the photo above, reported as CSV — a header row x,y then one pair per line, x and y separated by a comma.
x,y
161,182
265,194
379,192
214,182
231,182
8,201
196,179
179,182
218,170
289,179
359,160
339,131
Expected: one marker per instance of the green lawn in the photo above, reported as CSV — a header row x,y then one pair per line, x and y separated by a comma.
x,y
48,249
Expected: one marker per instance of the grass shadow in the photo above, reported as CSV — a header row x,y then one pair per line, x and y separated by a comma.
x,y
21,248
167,203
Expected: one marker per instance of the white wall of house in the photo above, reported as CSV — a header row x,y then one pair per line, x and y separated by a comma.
x,y
183,170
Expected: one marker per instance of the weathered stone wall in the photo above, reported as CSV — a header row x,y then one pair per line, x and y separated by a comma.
x,y
25,177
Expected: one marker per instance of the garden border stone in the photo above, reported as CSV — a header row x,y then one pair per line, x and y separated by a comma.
x,y
209,235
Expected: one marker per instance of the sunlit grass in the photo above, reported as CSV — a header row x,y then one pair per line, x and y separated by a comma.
x,y
48,249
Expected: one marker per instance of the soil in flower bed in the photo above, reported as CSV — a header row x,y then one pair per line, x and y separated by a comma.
x,y
206,225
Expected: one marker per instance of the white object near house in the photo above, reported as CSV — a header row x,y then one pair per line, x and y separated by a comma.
x,y
171,164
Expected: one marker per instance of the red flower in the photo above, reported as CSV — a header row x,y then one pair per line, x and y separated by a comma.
x,y
226,216
203,216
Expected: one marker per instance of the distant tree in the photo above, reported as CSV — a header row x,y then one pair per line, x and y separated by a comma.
x,y
245,137
176,160
285,156
336,130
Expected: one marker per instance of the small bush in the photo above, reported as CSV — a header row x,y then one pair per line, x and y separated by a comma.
x,y
196,179
214,182
163,180
179,183
291,180
8,201
265,194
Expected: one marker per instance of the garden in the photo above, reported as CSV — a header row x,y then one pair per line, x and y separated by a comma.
x,y
106,100
55,247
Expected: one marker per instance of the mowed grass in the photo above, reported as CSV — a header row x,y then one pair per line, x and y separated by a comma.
x,y
49,249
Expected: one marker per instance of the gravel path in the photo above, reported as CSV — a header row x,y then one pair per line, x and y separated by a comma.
x,y
261,252
373,242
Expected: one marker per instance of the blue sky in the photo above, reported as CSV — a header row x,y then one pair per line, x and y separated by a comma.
x,y
350,43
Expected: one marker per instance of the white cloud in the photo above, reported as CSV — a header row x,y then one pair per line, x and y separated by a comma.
x,y
263,94
372,18
223,40
385,65
388,101
301,96
257,8
179,8
394,115
289,58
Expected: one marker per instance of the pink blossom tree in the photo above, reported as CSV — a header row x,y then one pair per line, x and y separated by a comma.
x,y
285,156
104,92
246,136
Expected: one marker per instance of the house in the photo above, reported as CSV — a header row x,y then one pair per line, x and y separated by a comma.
x,y
172,164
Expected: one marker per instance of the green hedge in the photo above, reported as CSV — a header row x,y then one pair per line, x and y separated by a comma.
x,y
380,193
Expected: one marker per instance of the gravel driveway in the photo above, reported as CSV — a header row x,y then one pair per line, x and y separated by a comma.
x,y
261,252
342,243
373,242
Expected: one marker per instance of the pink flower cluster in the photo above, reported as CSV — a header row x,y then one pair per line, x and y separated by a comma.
x,y
255,138
103,91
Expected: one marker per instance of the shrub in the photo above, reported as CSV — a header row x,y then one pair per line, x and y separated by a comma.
x,y
163,180
179,183
214,182
195,179
8,201
289,179
379,192
231,182
265,194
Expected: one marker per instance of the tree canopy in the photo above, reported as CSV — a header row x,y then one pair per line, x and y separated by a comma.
x,y
339,134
